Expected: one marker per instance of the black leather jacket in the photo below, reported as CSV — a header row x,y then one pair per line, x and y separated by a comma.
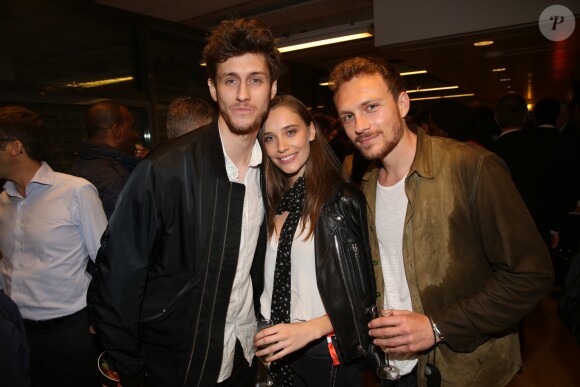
x,y
166,267
344,269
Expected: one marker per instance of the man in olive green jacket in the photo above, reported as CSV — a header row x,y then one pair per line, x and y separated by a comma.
x,y
471,261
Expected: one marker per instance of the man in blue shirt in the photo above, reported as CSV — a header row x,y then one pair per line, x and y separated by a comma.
x,y
50,226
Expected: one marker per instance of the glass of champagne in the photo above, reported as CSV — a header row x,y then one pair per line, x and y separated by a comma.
x,y
263,323
387,371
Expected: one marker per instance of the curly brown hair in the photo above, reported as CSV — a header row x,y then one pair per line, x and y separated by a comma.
x,y
235,37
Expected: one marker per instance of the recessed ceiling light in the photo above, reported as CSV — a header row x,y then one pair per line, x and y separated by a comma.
x,y
498,69
483,43
413,72
418,90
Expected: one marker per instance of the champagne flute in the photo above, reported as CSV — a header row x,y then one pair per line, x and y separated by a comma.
x,y
263,323
388,371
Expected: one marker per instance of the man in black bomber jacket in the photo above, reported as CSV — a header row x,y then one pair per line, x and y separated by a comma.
x,y
172,299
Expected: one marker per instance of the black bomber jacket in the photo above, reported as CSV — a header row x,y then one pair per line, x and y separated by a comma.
x,y
167,264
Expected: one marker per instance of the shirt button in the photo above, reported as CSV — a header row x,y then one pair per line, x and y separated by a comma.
x,y
378,294
375,262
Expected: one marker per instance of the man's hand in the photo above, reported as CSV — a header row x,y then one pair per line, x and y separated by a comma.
x,y
402,332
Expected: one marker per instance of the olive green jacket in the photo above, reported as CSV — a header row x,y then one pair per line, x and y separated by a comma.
x,y
473,258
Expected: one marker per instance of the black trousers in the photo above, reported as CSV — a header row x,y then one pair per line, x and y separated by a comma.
x,y
62,352
313,368
243,374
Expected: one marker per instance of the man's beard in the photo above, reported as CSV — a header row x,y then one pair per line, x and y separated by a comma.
x,y
388,146
241,129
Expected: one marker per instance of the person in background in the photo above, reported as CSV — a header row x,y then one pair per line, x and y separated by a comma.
x,y
175,295
318,274
50,227
461,262
107,158
14,351
186,114
534,163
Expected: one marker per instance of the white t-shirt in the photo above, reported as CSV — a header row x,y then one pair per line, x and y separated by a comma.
x,y
391,208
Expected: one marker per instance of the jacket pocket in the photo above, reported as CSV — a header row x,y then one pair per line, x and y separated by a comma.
x,y
189,285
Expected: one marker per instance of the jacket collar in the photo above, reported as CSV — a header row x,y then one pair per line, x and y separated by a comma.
x,y
92,150
423,162
212,141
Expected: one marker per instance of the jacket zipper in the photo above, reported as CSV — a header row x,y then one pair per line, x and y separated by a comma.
x,y
355,250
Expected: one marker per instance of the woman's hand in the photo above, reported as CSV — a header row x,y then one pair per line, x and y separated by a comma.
x,y
283,339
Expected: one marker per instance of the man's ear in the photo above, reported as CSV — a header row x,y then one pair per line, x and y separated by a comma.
x,y
116,131
212,89
14,148
273,89
403,104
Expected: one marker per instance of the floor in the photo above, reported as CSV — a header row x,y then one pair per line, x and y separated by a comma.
x,y
550,354
551,357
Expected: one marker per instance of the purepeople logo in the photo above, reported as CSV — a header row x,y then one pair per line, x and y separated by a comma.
x,y
557,23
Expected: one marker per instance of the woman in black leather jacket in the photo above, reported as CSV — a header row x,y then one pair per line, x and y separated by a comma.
x,y
319,284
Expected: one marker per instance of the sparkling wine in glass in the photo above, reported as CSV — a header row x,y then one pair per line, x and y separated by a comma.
x,y
388,371
263,324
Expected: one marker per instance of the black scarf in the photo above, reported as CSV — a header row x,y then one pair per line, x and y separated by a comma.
x,y
293,202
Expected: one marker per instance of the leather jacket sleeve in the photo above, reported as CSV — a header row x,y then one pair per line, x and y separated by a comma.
x,y
345,274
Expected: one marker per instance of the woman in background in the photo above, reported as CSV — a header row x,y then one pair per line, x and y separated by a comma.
x,y
319,284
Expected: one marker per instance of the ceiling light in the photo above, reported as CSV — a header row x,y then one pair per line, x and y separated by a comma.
x,y
505,79
498,69
413,72
101,82
443,96
323,37
483,43
432,89
404,74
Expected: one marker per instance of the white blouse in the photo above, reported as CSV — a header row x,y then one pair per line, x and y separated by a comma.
x,y
305,303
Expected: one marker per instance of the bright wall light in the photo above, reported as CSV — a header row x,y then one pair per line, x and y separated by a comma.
x,y
326,36
101,82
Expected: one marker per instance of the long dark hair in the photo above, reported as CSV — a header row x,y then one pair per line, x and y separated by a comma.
x,y
323,171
